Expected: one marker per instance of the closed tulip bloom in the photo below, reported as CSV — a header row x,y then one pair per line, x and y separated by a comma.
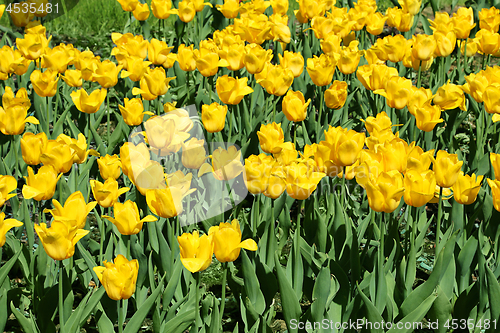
x,y
134,68
418,98
106,73
128,5
141,12
232,90
385,191
279,28
495,190
163,134
276,184
411,6
489,19
107,194
157,81
186,11
466,188
194,153
31,46
292,61
5,226
57,59
450,96
375,76
7,185
378,124
424,47
208,62
166,202
213,117
79,146
158,50
59,155
309,9
257,172
195,251
349,58
463,22
74,211
109,166
294,106
44,84
133,111
394,154
476,85
73,77
397,92
447,168
21,19
495,162
13,119
226,164
60,239
119,278
271,137
144,91
185,58
32,147
148,175
161,8
445,43
9,60
375,23
321,69
229,9
256,57
428,116
331,45
275,79
336,95
345,145
491,98
419,160
301,179
127,219
227,241
233,54
88,103
487,41
401,20
419,187
132,155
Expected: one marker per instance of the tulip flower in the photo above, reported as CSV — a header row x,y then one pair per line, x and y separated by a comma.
x,y
345,145
13,119
495,162
109,166
257,172
229,9
106,73
385,191
74,211
419,187
375,23
227,241
271,137
186,11
428,116
44,84
60,239
255,58
276,185
133,111
21,18
411,6
59,155
157,81
128,5
418,98
275,79
394,154
42,185
213,117
495,190
141,12
31,46
194,153
487,42
321,69
163,135
419,160
489,19
445,43
336,95
134,68
78,146
450,96
158,50
7,185
232,90
106,194
254,27
233,52
195,251
292,61
185,58
349,58
463,22
466,188
447,168
132,155
226,164
374,77
208,62
331,45
301,179
5,226
88,103
161,8
424,47
491,98
309,9
294,106
119,278
166,202
73,77
127,219
399,19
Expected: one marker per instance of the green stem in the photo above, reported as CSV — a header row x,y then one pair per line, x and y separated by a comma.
x,y
343,185
465,57
128,246
197,314
438,223
47,115
121,315
223,296
319,125
61,297
274,111
484,61
458,62
187,86
230,125
108,118
419,75
16,163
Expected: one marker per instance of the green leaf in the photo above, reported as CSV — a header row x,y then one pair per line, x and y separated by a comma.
x,y
372,314
180,322
321,292
252,285
441,310
289,301
415,316
4,271
493,294
27,324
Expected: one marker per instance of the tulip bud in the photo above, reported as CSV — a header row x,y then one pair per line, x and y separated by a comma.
x,y
227,241
118,278
336,95
270,138
294,106
32,147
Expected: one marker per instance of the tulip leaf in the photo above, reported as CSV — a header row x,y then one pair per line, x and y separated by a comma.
x,y
79,317
179,323
289,300
135,323
88,260
440,310
6,267
28,325
252,285
372,313
320,294
172,284
464,261
415,316
493,294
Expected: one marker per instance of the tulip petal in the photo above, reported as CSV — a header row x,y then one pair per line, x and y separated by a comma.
x,y
192,264
32,120
149,218
30,192
204,169
249,244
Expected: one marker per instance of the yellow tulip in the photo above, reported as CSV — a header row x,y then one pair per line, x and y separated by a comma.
x,y
157,81
118,278
229,9
158,50
147,176
385,191
6,225
450,96
294,106
345,145
141,12
106,73
161,8
88,103
186,11
185,58
73,77
275,79
463,22
495,190
134,68
419,187
254,28
428,116
394,154
349,58
107,194
132,155
292,61
489,19
232,90
301,179
31,46
419,160
255,58
321,69
418,98
375,76
194,153
445,43
208,62
195,251
227,241
336,95
164,135
487,42
32,147
213,117
133,111
411,6
128,5
21,18
495,162
226,164
491,98
166,202
399,19
109,166
257,172
42,185
447,168
375,23
466,188
13,119
309,9
127,219
271,137
60,239
79,146
59,155
276,185
424,47
7,185
44,84
74,211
